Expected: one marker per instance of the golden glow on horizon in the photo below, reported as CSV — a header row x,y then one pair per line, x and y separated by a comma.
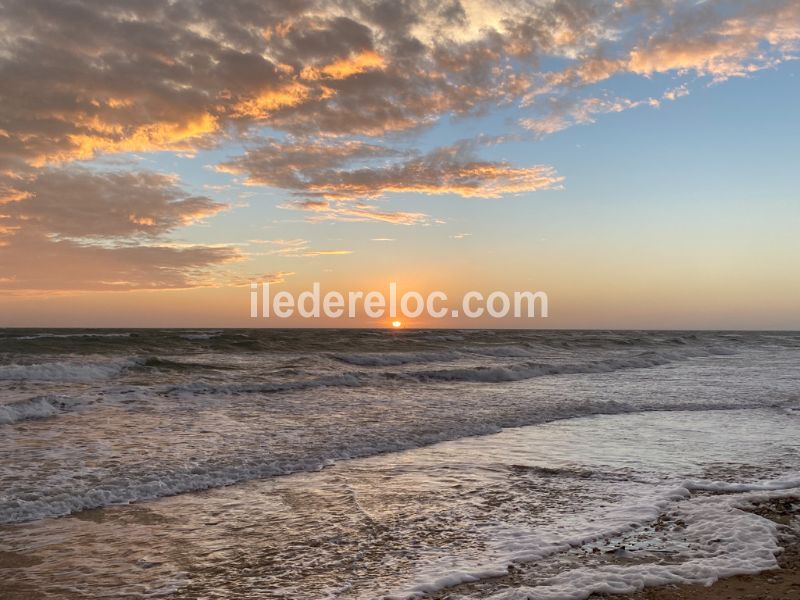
x,y
397,324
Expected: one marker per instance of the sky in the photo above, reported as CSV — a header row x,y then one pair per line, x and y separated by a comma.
x,y
634,159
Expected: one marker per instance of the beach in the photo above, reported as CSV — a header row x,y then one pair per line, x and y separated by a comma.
x,y
415,464
779,584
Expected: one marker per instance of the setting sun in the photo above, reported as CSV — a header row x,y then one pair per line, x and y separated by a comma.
x,y
397,324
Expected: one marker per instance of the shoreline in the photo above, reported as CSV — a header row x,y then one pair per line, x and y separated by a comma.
x,y
782,583
153,543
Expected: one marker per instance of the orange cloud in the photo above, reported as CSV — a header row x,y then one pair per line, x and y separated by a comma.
x,y
342,68
725,48
271,100
115,137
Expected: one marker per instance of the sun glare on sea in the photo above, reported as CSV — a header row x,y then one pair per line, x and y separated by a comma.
x,y
397,324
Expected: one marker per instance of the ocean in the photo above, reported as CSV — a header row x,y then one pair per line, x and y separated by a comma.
x,y
389,463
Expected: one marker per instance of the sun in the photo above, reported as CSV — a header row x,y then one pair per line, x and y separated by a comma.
x,y
397,324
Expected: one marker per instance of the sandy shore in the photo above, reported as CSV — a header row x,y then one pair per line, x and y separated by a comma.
x,y
780,584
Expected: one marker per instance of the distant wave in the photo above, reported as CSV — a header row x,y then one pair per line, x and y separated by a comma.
x,y
529,370
39,336
502,351
523,350
391,359
201,335
158,362
67,371
475,374
267,387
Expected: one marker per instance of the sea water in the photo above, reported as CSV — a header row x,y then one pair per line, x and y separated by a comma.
x,y
370,464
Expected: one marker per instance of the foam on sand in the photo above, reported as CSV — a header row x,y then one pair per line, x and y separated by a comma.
x,y
717,539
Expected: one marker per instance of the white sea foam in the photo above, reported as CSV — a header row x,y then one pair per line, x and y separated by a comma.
x,y
716,538
67,499
719,540
790,482
519,546
201,335
598,504
133,487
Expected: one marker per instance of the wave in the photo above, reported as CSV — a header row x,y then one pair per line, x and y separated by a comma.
x,y
201,335
530,370
40,336
161,363
40,407
96,371
122,489
502,351
75,497
67,371
475,374
392,359
704,485
342,380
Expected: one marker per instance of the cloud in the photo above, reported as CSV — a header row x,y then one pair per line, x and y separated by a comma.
x,y
337,83
325,210
83,78
566,112
297,248
297,164
275,277
82,203
359,212
704,40
714,40
31,261
77,229
86,78
352,171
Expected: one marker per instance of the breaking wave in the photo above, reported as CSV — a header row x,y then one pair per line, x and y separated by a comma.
x,y
39,407
67,371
